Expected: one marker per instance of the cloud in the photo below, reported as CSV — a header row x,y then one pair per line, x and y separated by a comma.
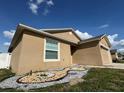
x,y
34,6
82,35
121,50
103,26
9,34
116,43
40,1
6,44
122,42
112,39
50,3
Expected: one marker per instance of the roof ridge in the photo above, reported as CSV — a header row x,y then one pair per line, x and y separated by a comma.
x,y
36,31
57,29
92,38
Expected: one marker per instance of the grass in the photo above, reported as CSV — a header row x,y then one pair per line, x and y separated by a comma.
x,y
120,61
10,90
97,80
5,73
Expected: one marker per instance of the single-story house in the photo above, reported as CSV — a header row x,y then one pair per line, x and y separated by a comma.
x,y
120,56
114,54
35,50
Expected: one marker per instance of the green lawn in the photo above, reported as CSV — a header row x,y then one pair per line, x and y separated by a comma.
x,y
5,73
120,61
97,79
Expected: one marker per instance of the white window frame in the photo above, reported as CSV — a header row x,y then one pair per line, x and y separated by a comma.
x,y
51,60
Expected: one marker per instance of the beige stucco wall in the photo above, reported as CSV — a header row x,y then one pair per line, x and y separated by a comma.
x,y
31,56
93,54
88,54
68,36
103,41
106,56
105,53
15,57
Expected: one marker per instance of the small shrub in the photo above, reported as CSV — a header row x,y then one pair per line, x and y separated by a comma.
x,y
43,75
30,73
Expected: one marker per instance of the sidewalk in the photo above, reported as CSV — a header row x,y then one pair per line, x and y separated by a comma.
x,y
113,65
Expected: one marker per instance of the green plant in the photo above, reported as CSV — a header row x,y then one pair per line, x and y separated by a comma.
x,y
30,73
43,75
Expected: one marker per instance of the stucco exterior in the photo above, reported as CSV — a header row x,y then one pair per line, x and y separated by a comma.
x,y
105,52
15,57
92,53
29,55
28,50
104,42
87,54
67,35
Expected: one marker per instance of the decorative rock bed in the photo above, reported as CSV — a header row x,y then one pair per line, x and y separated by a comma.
x,y
49,78
41,77
78,68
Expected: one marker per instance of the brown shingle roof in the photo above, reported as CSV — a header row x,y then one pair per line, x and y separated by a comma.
x,y
58,30
20,27
95,39
19,31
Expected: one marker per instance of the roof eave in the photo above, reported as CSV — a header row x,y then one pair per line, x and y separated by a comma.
x,y
64,29
21,26
88,41
97,39
107,40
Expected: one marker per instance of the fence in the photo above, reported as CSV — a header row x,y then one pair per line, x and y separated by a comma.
x,y
5,60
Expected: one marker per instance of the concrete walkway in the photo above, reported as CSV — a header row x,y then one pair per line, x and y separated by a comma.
x,y
113,65
116,65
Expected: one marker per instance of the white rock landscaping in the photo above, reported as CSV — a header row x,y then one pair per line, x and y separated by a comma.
x,y
72,74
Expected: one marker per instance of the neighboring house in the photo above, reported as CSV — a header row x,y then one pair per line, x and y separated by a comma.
x,y
35,50
5,60
120,56
114,54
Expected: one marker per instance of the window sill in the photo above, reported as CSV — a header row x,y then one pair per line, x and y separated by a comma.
x,y
51,60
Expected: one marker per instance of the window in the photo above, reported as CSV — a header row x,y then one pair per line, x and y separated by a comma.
x,y
51,50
